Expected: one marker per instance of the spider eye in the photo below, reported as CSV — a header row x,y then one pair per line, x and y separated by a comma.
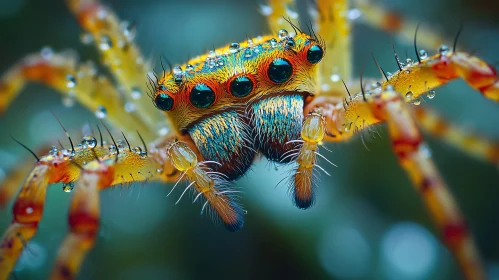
x,y
164,102
315,54
202,96
241,86
280,70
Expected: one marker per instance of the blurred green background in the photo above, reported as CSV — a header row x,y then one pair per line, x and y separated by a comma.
x,y
368,222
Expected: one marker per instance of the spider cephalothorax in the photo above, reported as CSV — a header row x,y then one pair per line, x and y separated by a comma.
x,y
243,98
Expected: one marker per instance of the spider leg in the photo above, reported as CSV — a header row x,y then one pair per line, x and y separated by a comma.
x,y
14,178
83,219
114,39
465,140
61,166
470,142
379,17
415,158
60,72
331,22
419,78
342,121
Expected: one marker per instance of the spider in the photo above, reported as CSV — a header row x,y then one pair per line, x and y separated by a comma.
x,y
279,97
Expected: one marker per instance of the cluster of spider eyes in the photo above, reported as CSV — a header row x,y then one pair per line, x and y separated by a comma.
x,y
202,96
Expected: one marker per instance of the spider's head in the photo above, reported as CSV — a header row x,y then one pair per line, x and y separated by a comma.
x,y
226,92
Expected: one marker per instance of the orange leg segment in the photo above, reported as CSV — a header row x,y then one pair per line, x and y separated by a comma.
x,y
415,158
83,219
361,111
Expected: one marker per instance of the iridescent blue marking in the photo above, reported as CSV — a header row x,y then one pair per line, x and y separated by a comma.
x,y
277,120
224,138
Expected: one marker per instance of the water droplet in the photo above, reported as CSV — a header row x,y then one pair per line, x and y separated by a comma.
x,y
250,43
189,68
353,14
423,54
86,38
248,53
67,153
408,61
129,30
130,107
431,94
68,187
105,43
53,150
335,78
68,101
101,112
112,149
234,47
425,151
136,93
390,88
389,74
245,212
416,101
266,10
290,43
212,54
47,53
409,95
121,144
443,50
220,61
29,210
283,34
138,150
89,141
177,70
273,42
163,131
71,81
159,170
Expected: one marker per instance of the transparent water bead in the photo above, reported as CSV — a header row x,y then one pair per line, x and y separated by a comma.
x,y
431,94
71,81
282,34
443,50
68,187
423,54
89,141
101,112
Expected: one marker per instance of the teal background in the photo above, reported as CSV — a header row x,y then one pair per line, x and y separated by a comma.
x,y
368,222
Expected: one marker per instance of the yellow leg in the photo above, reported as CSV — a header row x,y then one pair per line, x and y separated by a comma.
x,y
392,22
465,140
332,23
420,78
114,40
61,166
81,82
342,120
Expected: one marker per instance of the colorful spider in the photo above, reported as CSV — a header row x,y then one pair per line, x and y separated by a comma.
x,y
267,95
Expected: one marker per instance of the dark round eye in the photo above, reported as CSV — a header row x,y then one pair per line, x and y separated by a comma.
x,y
315,54
163,102
202,96
280,70
241,86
